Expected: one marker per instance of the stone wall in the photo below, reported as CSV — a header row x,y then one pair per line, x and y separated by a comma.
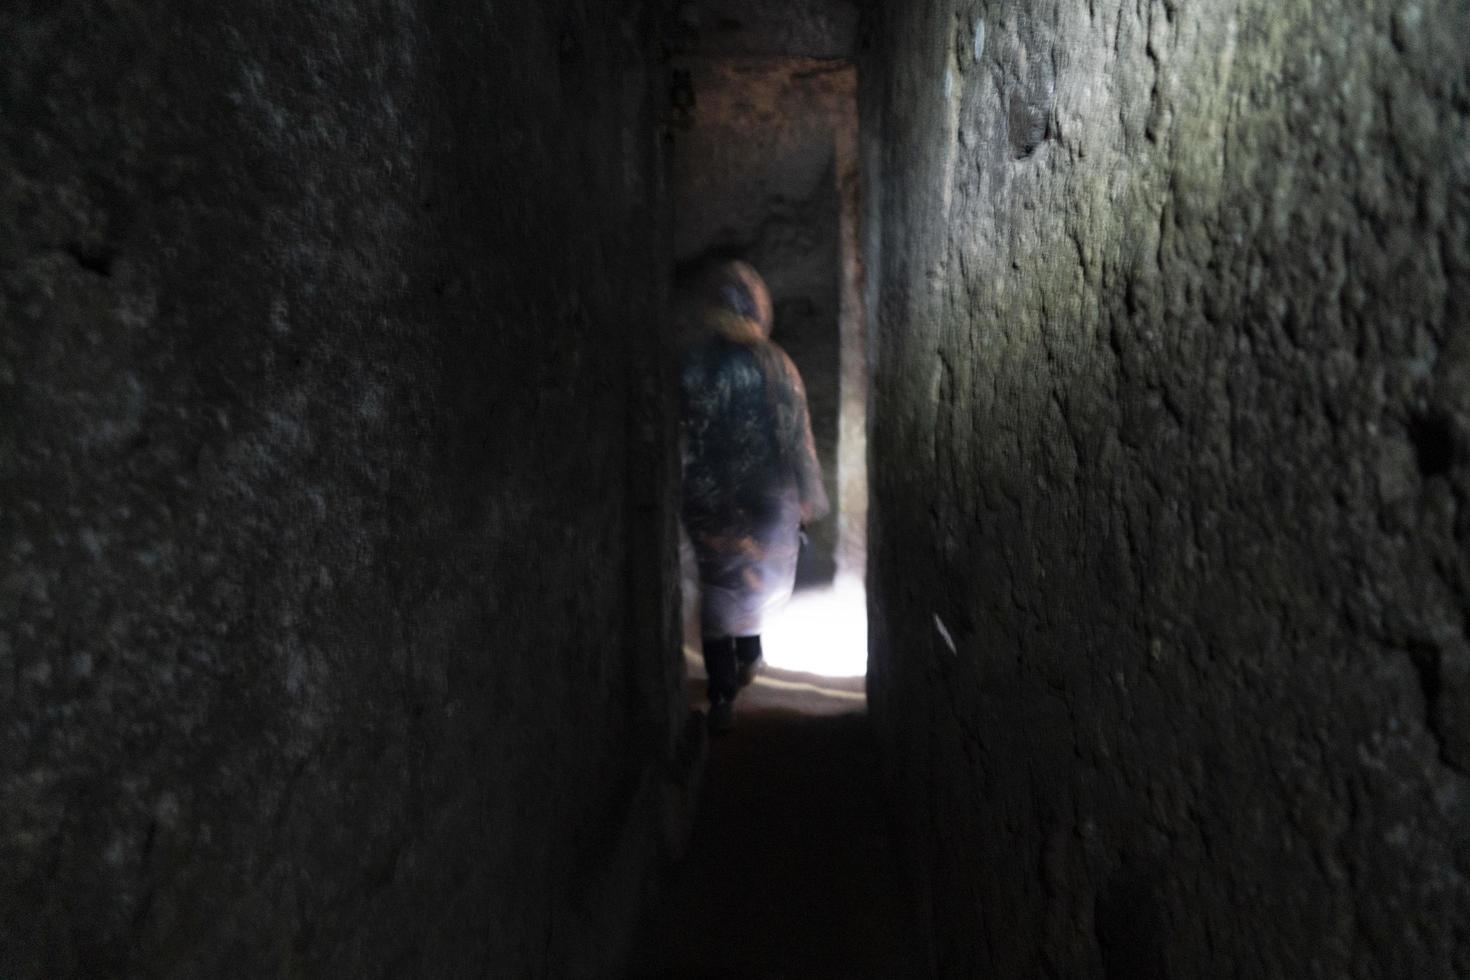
x,y
337,625
780,28
1171,442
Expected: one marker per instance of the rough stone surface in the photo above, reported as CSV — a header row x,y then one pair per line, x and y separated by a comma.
x,y
337,632
756,176
1171,431
782,28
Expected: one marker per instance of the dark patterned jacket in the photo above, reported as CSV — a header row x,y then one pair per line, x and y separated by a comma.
x,y
751,475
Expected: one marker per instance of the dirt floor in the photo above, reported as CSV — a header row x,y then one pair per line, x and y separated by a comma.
x,y
789,872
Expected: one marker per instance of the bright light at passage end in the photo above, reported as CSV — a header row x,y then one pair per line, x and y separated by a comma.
x,y
821,631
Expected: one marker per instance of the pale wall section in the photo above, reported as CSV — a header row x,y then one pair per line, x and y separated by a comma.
x,y
1171,442
337,632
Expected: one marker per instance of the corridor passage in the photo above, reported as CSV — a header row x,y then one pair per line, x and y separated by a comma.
x,y
790,872
351,356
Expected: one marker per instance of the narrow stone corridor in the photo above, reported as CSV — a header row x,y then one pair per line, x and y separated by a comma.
x,y
791,872
343,449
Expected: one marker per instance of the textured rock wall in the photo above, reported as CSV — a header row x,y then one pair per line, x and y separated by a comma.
x,y
1171,442
336,619
781,28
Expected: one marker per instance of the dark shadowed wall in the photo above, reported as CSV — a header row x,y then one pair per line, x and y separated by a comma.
x,y
1171,442
337,629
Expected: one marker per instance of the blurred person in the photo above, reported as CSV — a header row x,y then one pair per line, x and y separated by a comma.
x,y
751,476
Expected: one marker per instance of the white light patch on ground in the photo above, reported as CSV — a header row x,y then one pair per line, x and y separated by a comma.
x,y
821,631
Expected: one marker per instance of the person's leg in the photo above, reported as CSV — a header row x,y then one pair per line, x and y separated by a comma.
x,y
724,681
747,658
719,666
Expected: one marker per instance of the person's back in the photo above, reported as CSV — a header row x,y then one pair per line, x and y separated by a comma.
x,y
751,476
734,463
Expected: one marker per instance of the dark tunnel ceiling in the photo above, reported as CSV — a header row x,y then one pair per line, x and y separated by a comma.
x,y
806,28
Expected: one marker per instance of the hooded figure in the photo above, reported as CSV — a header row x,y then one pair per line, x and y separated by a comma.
x,y
751,476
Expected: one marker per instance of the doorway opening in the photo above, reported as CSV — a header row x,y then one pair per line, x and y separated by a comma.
x,y
764,168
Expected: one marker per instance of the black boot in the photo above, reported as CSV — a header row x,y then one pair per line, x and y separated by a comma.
x,y
724,681
748,659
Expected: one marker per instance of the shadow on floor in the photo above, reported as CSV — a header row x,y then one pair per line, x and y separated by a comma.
x,y
789,872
